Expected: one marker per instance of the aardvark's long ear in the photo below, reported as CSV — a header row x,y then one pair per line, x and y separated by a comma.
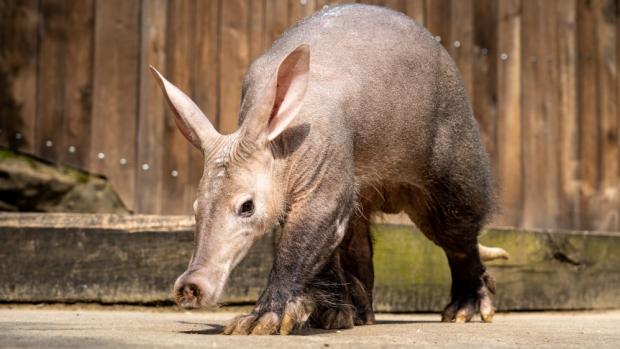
x,y
190,120
282,99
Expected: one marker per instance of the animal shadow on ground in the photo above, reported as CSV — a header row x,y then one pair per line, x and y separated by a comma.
x,y
211,330
214,329
403,322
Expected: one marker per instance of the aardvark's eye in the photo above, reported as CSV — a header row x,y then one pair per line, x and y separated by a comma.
x,y
247,208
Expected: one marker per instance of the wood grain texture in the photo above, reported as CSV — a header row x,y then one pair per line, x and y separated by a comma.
x,y
568,113
180,54
608,197
115,94
205,87
590,153
539,117
64,86
235,58
509,149
484,94
460,40
435,18
78,84
19,22
416,9
152,109
75,74
548,115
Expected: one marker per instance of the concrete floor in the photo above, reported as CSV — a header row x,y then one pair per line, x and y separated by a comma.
x,y
54,327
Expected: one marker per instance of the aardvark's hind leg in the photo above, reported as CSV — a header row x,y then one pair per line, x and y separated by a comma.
x,y
471,289
454,226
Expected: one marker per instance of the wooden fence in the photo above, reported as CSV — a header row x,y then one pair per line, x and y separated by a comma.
x,y
542,76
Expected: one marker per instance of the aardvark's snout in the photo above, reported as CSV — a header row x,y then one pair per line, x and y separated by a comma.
x,y
193,290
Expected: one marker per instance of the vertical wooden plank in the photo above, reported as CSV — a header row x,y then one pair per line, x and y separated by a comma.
x,y
569,131
589,129
416,10
276,20
18,68
205,64
235,57
176,174
256,34
52,71
205,70
396,5
541,117
485,72
115,94
78,84
460,41
436,13
151,111
298,9
608,201
509,122
63,87
51,92
533,142
550,112
617,228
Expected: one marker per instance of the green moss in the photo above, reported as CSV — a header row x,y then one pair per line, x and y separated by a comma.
x,y
79,176
404,256
7,154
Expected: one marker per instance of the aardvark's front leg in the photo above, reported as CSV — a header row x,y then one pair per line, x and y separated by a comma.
x,y
313,230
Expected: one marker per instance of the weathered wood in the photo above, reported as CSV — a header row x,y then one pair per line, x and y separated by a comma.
x,y
206,77
18,73
64,84
460,40
608,197
78,84
135,259
549,112
535,117
234,59
546,270
151,110
484,95
396,5
115,94
416,10
589,120
109,259
568,113
550,105
436,13
509,121
276,19
176,171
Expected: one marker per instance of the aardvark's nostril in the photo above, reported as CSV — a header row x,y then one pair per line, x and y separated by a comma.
x,y
188,296
191,291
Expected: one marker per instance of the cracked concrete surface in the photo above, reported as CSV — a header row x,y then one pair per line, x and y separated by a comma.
x,y
49,328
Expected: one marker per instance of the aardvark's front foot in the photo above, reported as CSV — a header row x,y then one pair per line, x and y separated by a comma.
x,y
266,318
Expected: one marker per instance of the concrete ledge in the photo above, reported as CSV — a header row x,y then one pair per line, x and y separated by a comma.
x,y
135,259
